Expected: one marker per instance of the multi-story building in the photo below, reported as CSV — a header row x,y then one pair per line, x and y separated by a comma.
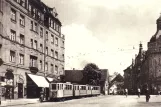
x,y
128,78
151,68
31,47
132,74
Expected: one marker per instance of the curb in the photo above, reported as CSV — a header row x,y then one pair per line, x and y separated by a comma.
x,y
18,104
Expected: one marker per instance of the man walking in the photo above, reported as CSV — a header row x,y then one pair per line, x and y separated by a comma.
x,y
139,92
147,95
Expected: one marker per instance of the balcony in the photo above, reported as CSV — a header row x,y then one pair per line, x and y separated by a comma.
x,y
33,68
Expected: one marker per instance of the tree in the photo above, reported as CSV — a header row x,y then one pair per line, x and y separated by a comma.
x,y
91,74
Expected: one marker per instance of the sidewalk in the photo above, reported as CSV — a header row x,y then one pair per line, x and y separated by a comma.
x,y
15,102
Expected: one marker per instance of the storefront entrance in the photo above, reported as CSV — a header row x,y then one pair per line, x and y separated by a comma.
x,y
9,80
20,90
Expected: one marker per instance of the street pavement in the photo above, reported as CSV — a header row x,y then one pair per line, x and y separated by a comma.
x,y
102,101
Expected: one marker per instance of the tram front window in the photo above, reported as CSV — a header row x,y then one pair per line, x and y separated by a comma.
x,y
53,86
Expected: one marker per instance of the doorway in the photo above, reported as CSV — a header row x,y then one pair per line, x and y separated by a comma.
x,y
20,90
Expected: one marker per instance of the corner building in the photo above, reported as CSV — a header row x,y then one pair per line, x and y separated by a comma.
x,y
31,47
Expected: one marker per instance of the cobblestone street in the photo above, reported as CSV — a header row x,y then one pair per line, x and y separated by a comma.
x,y
101,101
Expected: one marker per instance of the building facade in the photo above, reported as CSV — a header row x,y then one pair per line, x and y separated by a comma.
x,y
151,68
132,74
31,46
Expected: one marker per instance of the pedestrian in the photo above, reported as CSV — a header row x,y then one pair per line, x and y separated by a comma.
x,y
147,95
10,94
139,92
158,92
41,95
126,92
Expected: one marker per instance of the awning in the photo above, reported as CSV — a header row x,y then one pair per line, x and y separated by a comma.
x,y
50,79
40,81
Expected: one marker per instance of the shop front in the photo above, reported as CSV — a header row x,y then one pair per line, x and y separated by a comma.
x,y
35,84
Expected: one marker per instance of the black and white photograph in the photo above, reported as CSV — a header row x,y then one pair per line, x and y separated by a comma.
x,y
80,53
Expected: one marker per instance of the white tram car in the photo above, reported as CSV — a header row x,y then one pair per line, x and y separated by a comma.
x,y
68,90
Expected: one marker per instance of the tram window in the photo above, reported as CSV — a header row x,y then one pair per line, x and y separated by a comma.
x,y
53,86
60,86
67,87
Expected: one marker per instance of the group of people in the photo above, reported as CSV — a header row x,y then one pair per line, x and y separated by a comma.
x,y
147,93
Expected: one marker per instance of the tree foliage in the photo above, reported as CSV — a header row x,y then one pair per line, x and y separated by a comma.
x,y
91,74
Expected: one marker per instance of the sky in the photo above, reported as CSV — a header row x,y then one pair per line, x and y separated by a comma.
x,y
105,32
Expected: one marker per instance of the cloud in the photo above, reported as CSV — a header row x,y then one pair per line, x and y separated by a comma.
x,y
93,26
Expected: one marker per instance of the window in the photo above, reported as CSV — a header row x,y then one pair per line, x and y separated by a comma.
x,y
54,25
52,68
12,56
29,8
159,48
52,38
41,32
51,23
13,35
13,15
35,44
63,56
1,5
46,35
22,3
53,86
52,53
56,69
56,54
56,41
38,15
35,27
32,25
34,12
22,39
33,61
63,44
21,59
31,42
46,66
46,52
41,48
22,20
41,66
59,29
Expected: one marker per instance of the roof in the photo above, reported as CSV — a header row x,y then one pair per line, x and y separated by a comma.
x,y
73,75
104,74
